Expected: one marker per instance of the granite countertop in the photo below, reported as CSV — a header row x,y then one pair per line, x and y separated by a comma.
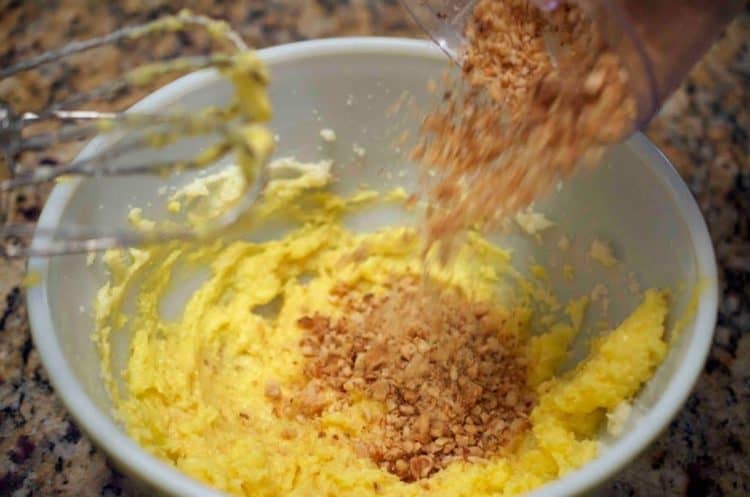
x,y
703,129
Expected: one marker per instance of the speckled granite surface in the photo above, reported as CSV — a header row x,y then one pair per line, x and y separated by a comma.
x,y
704,130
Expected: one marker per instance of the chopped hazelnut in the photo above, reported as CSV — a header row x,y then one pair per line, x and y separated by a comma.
x,y
273,391
441,365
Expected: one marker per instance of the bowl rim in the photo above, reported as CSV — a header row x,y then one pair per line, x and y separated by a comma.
x,y
165,478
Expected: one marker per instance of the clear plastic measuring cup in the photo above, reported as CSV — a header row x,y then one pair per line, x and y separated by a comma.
x,y
658,41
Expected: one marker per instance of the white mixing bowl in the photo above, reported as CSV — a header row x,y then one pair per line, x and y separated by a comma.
x,y
636,201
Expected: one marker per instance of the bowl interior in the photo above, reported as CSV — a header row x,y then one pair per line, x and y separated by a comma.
x,y
635,202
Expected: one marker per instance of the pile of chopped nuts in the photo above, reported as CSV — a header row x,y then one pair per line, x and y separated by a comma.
x,y
540,94
453,383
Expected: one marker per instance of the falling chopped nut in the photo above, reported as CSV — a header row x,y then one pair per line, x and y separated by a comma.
x,y
599,292
540,94
359,150
328,135
564,243
634,287
602,253
568,272
533,222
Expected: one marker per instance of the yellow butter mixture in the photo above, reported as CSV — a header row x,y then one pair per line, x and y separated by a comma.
x,y
197,387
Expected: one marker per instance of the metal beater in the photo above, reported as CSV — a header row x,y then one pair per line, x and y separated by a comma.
x,y
227,123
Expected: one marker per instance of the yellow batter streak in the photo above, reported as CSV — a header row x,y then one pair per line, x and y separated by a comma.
x,y
192,392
